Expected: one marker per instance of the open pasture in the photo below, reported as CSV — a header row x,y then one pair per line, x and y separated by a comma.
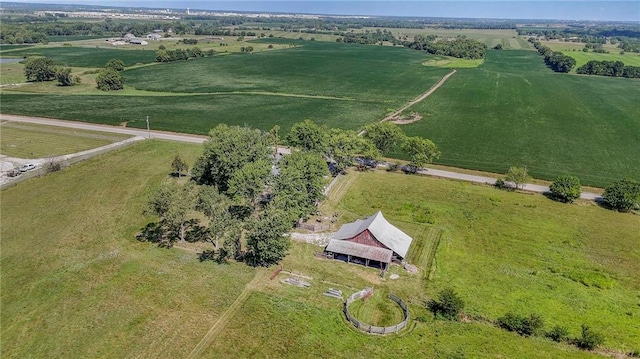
x,y
87,56
77,284
12,73
24,140
513,111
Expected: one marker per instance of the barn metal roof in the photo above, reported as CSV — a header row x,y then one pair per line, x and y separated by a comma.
x,y
385,232
359,250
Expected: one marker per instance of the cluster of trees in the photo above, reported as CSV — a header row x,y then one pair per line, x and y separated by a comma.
x,y
228,185
110,78
533,325
248,49
594,47
461,47
556,60
609,68
40,69
164,55
626,36
368,37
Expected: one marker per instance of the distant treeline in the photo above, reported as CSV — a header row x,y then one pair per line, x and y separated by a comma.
x,y
461,47
556,60
609,68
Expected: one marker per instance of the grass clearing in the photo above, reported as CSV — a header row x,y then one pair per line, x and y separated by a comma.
x,y
24,140
513,111
75,281
490,37
452,62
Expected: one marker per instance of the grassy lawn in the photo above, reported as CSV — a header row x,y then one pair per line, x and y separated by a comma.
x,y
513,111
34,141
76,283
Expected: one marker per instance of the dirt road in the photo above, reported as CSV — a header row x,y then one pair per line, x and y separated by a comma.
x,y
421,97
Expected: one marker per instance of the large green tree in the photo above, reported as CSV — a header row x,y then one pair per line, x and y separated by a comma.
x,y
300,183
565,188
172,203
249,182
265,239
228,149
64,77
384,135
623,195
308,136
39,69
420,150
115,64
109,79
343,146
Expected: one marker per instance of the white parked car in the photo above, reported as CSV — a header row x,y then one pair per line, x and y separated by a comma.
x,y
27,167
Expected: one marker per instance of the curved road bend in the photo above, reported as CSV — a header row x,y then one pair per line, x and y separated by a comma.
x,y
172,136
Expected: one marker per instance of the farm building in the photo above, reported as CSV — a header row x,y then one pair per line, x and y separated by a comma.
x,y
372,242
154,37
138,41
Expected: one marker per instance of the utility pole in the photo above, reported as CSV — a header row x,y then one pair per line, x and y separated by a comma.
x,y
148,130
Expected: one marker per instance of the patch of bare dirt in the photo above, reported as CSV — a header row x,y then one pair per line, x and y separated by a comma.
x,y
403,120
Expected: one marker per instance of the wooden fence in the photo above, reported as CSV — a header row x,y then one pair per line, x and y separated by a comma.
x,y
372,329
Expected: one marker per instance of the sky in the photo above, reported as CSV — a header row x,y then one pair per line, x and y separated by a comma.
x,y
515,9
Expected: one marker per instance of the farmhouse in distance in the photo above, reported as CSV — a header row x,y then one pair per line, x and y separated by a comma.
x,y
372,242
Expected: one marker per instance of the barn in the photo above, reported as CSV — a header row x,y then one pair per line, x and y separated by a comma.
x,y
372,241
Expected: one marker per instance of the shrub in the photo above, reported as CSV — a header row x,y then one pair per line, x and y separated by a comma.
x,y
589,339
623,195
522,325
448,306
52,165
558,334
565,188
115,64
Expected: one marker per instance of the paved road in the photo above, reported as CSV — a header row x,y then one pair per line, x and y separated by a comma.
x,y
491,181
171,136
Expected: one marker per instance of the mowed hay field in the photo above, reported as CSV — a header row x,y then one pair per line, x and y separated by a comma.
x,y
77,284
574,49
513,111
76,56
26,140
501,251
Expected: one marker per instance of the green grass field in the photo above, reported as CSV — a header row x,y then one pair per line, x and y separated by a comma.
x,y
24,140
12,74
509,39
513,111
87,56
76,283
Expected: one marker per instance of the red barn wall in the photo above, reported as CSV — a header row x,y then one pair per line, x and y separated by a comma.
x,y
368,239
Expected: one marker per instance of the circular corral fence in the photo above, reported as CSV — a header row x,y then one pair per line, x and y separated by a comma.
x,y
372,329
